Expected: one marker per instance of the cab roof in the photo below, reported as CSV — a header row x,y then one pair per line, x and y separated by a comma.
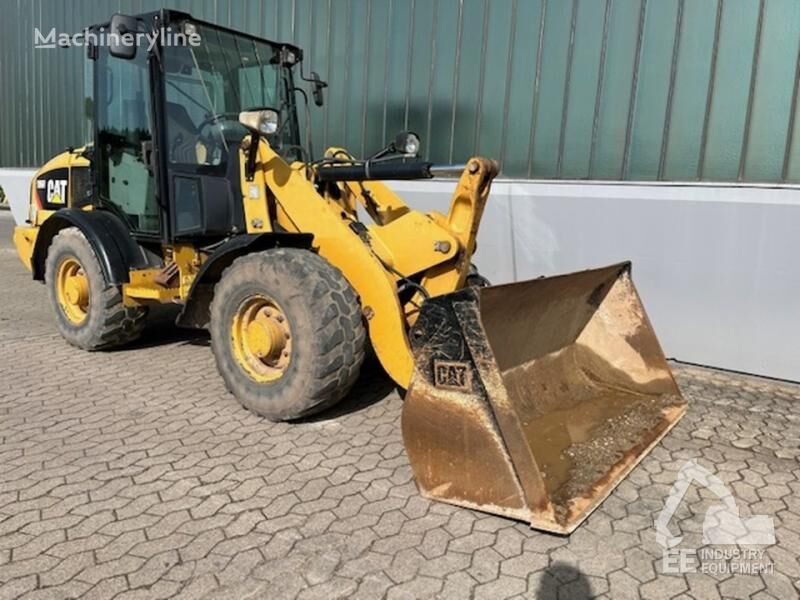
x,y
156,19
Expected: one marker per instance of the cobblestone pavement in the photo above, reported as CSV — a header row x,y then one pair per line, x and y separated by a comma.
x,y
133,474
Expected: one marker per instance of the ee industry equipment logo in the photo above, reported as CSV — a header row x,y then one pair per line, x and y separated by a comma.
x,y
731,544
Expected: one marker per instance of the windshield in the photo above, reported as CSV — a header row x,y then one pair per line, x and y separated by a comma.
x,y
209,85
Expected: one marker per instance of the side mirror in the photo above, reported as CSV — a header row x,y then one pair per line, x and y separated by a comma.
x,y
122,36
319,85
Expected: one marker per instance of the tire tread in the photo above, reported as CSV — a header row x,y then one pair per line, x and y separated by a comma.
x,y
120,324
339,329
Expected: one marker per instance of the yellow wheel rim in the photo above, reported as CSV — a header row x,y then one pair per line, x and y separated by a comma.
x,y
261,339
72,290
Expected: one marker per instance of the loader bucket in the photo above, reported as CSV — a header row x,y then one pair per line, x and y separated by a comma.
x,y
533,400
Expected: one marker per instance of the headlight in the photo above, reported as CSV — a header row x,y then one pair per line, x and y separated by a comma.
x,y
263,122
407,142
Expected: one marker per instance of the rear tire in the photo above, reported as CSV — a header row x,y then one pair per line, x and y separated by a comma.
x,y
320,318
99,320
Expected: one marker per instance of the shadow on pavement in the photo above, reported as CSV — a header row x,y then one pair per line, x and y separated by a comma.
x,y
563,581
160,329
372,386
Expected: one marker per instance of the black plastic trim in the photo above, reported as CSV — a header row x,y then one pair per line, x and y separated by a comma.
x,y
195,311
116,250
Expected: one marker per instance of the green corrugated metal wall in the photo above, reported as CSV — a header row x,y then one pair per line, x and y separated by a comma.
x,y
601,89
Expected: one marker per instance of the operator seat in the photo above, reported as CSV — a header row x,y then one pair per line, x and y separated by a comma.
x,y
183,136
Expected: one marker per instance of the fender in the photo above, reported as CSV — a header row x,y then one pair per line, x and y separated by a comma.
x,y
195,313
112,243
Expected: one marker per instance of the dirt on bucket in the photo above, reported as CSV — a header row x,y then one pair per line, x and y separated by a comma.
x,y
608,444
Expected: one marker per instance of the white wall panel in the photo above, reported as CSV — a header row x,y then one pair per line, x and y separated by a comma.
x,y
717,266
16,184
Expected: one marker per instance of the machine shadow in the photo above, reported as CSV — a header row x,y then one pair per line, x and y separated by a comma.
x,y
160,329
372,386
563,581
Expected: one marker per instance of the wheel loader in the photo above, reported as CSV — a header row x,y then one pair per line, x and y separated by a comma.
x,y
530,400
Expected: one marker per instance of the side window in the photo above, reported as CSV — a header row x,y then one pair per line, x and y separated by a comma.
x,y
124,138
193,96
192,137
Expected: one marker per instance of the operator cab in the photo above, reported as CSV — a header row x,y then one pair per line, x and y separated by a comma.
x,y
166,121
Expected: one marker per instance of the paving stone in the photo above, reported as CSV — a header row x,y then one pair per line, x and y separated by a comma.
x,y
405,565
68,568
457,585
741,586
502,587
173,541
372,586
419,587
119,566
38,545
29,566
153,569
626,587
201,545
69,590
14,588
199,587
524,564
239,567
321,567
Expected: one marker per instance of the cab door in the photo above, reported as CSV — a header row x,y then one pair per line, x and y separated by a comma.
x,y
124,167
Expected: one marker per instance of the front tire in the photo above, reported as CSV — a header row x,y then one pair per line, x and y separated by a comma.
x,y
90,313
287,333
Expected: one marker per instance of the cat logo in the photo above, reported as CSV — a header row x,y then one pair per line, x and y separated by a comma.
x,y
56,191
451,375
52,190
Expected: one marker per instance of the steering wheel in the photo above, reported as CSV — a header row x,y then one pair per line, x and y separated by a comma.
x,y
213,139
217,119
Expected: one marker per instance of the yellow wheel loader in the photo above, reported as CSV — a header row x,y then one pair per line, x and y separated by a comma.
x,y
530,400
